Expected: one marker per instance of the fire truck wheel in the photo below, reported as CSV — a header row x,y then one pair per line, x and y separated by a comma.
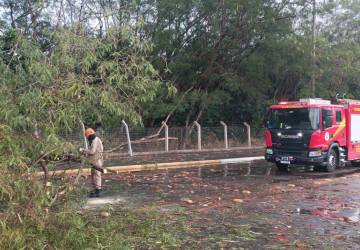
x,y
282,167
332,161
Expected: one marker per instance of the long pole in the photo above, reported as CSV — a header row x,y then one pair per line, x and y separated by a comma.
x,y
83,135
313,50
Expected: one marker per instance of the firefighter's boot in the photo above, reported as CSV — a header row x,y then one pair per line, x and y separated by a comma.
x,y
95,193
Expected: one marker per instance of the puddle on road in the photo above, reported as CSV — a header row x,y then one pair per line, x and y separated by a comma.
x,y
265,169
166,184
233,169
350,214
261,171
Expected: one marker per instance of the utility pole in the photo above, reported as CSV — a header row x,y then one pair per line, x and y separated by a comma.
x,y
313,50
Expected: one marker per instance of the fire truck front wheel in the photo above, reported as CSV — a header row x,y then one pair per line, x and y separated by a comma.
x,y
332,160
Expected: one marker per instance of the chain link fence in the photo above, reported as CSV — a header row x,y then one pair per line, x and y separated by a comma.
x,y
152,140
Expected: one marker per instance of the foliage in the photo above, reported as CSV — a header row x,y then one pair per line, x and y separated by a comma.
x,y
222,56
145,61
207,46
68,228
45,92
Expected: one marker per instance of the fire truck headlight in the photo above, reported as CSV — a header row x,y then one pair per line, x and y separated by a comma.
x,y
315,153
269,151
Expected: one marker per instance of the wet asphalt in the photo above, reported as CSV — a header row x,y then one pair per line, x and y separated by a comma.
x,y
298,209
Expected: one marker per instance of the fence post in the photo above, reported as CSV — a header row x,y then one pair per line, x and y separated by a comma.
x,y
268,171
128,137
248,133
248,172
225,134
226,170
199,171
83,135
166,136
198,134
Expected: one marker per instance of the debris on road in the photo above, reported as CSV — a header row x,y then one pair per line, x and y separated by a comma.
x,y
105,214
238,200
187,200
285,211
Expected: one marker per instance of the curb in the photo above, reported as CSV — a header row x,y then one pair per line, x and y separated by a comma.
x,y
155,166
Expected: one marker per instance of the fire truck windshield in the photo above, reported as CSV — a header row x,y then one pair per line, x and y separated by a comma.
x,y
296,118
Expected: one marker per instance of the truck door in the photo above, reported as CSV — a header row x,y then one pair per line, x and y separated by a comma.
x,y
327,122
340,126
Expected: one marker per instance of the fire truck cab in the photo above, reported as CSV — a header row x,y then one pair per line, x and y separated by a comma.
x,y
313,132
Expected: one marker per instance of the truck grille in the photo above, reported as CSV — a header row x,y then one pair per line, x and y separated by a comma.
x,y
292,153
292,145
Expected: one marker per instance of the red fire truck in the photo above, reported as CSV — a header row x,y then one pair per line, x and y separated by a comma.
x,y
314,132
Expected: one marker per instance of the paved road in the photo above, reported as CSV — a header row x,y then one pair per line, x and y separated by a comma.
x,y
251,206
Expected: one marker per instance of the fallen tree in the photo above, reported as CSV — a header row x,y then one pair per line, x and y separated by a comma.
x,y
44,91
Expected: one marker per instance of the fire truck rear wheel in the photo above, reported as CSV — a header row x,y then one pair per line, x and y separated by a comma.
x,y
282,167
332,160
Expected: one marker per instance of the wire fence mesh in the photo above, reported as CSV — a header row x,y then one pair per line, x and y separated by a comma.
x,y
179,138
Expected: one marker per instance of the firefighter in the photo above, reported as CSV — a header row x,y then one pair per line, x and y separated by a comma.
x,y
95,157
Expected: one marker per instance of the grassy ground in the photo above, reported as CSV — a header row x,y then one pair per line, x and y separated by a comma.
x,y
151,228
71,227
